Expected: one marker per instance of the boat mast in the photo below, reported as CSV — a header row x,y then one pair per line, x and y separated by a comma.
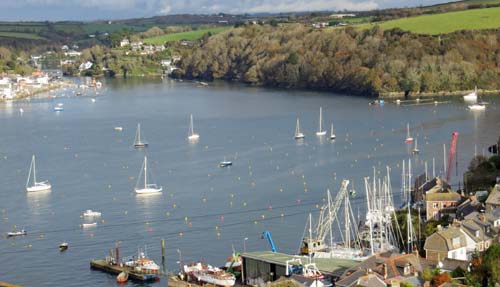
x,y
145,172
191,128
297,127
407,130
330,219
29,174
34,170
320,119
309,253
138,133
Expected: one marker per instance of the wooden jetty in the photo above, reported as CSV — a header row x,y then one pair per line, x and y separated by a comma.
x,y
102,265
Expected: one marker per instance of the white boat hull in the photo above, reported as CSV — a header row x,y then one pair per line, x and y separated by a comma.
x,y
477,107
193,137
321,133
472,97
38,187
137,145
409,140
299,136
148,190
203,277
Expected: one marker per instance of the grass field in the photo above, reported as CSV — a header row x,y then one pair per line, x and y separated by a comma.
x,y
21,35
474,19
191,35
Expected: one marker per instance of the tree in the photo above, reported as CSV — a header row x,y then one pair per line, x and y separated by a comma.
x,y
5,54
441,278
491,264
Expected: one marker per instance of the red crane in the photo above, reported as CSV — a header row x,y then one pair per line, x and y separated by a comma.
x,y
452,154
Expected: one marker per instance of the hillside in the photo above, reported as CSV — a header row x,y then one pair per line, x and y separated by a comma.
x,y
372,61
190,36
473,19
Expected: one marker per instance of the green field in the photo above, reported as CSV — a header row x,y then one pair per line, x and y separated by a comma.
x,y
21,35
191,35
474,19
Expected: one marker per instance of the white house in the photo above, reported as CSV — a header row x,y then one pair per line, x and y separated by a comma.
x,y
73,53
446,243
124,42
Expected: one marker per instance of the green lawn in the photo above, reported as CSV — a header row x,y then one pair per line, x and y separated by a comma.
x,y
473,19
191,35
21,35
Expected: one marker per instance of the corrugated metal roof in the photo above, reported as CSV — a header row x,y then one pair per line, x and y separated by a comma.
x,y
332,266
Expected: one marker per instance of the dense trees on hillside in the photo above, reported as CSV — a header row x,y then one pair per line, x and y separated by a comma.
x,y
358,61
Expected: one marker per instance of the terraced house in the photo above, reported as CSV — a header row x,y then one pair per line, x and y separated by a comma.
x,y
446,243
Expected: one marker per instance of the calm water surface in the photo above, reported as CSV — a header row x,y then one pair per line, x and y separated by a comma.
x,y
204,210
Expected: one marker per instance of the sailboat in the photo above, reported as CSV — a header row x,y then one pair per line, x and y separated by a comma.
x,y
298,134
471,97
36,186
408,139
147,187
332,135
415,149
320,131
192,136
138,142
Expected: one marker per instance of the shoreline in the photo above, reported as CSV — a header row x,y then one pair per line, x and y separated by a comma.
x,y
31,93
401,95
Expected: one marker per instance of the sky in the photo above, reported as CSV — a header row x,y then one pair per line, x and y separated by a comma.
x,y
56,10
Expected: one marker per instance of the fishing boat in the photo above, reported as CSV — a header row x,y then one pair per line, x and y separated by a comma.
x,y
415,149
35,185
87,225
192,136
210,274
147,187
122,277
225,163
471,97
408,139
298,134
63,246
332,135
59,107
17,233
234,263
143,264
477,107
138,142
91,213
320,131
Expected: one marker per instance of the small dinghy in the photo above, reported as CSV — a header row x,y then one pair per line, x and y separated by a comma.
x,y
63,246
122,277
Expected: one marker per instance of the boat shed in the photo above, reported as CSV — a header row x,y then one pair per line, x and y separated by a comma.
x,y
265,266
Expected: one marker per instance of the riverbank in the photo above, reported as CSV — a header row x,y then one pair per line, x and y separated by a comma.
x,y
400,95
31,92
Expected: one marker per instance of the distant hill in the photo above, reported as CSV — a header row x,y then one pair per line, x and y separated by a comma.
x,y
442,23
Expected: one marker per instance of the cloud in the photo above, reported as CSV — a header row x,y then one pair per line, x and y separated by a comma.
x,y
112,9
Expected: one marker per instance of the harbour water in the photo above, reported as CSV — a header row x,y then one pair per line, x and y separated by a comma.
x,y
204,210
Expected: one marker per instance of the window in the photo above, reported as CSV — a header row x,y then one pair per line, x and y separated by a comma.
x,y
435,205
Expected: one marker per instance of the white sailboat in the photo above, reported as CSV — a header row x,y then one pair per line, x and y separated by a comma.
x,y
477,107
298,134
471,97
320,131
35,186
408,139
192,136
138,142
332,135
147,187
415,149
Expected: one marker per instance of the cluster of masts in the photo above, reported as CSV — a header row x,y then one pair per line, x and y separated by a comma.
x,y
320,133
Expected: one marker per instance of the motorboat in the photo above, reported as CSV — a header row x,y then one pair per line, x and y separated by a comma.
x,y
225,163
87,225
210,274
91,213
63,246
17,233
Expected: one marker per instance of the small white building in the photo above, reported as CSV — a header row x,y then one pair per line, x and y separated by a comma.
x,y
43,80
124,42
73,53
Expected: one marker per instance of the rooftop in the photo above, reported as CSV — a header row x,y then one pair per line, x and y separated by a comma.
x,y
334,267
494,197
